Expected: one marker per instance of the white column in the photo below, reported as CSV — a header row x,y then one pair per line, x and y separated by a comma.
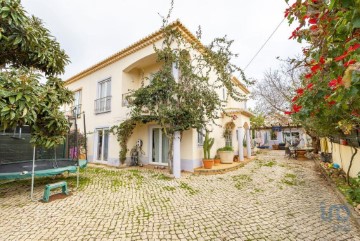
x,y
241,139
280,137
176,155
248,142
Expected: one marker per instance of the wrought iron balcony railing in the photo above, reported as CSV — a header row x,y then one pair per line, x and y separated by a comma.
x,y
103,105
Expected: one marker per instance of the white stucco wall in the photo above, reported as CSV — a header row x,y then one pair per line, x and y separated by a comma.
x,y
126,74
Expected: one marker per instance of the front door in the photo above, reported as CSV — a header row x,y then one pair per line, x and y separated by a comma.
x,y
159,147
102,145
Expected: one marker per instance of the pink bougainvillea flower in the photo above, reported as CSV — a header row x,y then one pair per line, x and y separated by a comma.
x,y
310,86
354,47
315,1
308,76
339,80
341,57
294,33
287,12
288,112
333,84
331,103
295,98
315,68
297,108
305,17
322,60
312,20
314,27
355,113
300,91
350,62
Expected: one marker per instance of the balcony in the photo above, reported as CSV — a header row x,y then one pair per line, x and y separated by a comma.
x,y
103,105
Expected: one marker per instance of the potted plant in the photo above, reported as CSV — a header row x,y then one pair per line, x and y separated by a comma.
x,y
208,143
217,160
226,154
244,145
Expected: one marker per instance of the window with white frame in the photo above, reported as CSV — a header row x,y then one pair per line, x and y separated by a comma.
x,y
76,109
102,145
103,101
200,137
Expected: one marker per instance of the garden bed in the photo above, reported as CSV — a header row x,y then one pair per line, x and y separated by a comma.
x,y
349,194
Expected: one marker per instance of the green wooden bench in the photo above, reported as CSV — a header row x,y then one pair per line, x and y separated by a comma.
x,y
49,187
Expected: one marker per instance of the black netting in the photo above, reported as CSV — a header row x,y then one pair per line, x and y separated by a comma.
x,y
15,147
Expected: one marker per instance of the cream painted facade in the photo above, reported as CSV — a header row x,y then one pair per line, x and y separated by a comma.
x,y
341,154
126,70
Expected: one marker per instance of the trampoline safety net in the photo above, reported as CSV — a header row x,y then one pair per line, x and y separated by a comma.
x,y
15,146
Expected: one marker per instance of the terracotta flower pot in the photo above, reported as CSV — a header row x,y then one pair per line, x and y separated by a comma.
x,y
208,163
217,162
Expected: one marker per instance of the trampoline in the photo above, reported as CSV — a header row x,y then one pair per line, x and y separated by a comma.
x,y
42,168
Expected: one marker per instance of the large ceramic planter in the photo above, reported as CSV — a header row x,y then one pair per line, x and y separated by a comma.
x,y
208,163
82,156
226,156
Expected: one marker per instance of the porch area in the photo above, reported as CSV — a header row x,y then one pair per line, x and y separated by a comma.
x,y
222,168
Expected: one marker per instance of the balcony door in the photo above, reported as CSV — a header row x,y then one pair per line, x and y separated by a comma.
x,y
103,101
102,144
159,147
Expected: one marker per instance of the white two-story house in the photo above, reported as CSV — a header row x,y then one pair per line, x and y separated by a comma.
x,y
100,92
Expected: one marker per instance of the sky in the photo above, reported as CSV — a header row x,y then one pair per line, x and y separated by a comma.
x,y
90,31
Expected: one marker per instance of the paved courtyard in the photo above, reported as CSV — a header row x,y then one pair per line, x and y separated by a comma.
x,y
270,198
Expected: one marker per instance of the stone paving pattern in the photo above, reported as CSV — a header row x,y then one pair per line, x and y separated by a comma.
x,y
271,198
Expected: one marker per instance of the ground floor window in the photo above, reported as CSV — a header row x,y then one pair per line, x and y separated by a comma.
x,y
200,137
291,137
159,146
102,145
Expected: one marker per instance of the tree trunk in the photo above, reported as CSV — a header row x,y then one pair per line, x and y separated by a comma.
x,y
315,143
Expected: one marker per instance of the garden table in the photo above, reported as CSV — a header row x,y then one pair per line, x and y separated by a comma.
x,y
300,151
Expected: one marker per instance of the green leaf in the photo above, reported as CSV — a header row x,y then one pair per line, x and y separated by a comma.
x,y
17,40
12,115
18,97
24,112
356,22
12,100
6,108
5,9
332,2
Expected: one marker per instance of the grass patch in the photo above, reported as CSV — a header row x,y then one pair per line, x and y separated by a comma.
x,y
188,188
241,180
169,188
117,183
162,176
257,190
290,179
270,164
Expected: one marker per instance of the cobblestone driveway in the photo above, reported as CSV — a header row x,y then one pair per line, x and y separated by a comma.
x,y
269,199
